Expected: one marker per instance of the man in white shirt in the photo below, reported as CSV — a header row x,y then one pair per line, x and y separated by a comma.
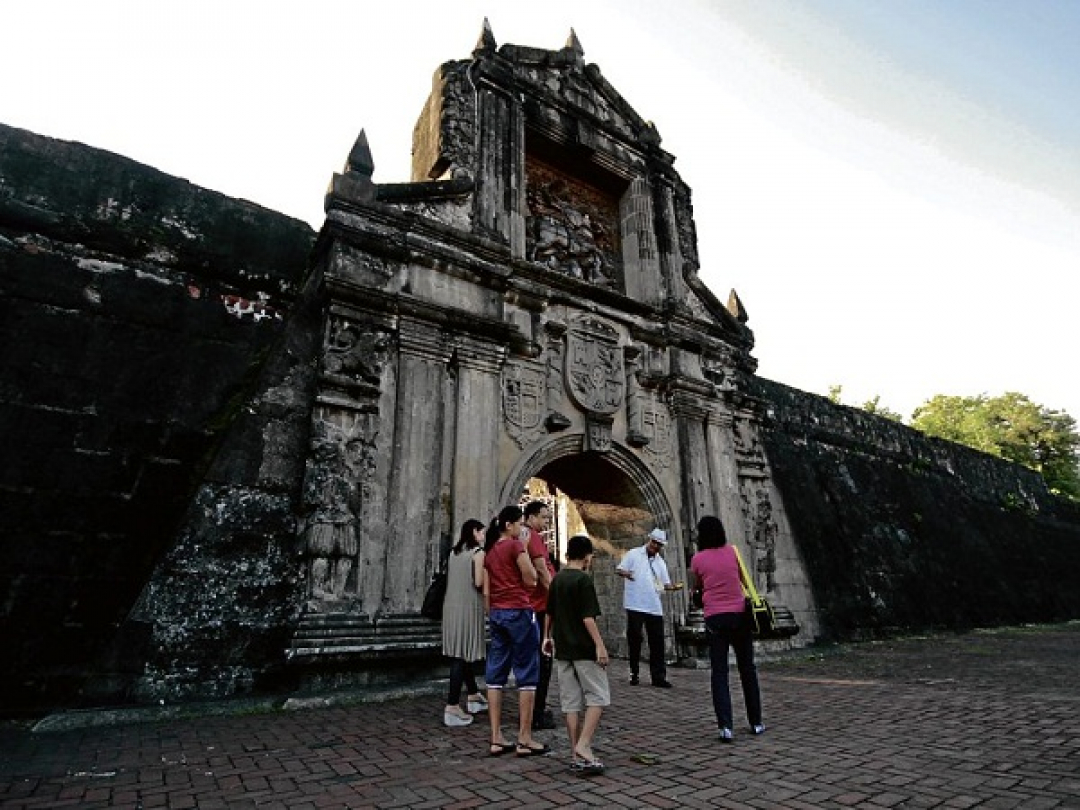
x,y
646,576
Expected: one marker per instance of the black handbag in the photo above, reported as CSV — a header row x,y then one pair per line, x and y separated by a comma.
x,y
435,596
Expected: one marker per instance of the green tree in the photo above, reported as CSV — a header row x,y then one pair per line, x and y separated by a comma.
x,y
875,407
1010,426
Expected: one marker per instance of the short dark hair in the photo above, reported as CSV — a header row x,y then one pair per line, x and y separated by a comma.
x,y
578,547
710,532
534,508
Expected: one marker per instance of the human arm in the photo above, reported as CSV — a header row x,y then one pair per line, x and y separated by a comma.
x,y
528,572
538,553
478,570
594,633
547,646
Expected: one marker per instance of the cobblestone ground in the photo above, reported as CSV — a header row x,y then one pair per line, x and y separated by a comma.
x,y
989,720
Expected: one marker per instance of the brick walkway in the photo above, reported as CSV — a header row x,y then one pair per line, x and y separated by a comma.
x,y
988,720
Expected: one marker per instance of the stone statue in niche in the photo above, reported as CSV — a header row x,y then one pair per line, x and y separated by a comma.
x,y
338,475
571,227
764,538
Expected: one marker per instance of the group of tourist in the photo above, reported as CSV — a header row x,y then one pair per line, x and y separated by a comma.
x,y
537,619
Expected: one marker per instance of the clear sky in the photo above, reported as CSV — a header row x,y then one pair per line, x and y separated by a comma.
x,y
892,187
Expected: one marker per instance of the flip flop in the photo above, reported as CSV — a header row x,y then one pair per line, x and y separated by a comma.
x,y
498,749
530,751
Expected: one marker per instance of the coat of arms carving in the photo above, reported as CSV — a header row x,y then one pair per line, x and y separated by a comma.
x,y
594,367
524,399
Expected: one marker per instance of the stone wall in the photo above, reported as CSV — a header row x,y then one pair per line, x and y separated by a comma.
x,y
900,532
136,313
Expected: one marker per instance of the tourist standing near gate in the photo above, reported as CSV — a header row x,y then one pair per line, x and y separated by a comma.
x,y
537,516
509,581
715,570
646,576
573,637
463,623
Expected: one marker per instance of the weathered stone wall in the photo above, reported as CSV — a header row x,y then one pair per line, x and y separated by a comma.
x,y
136,313
901,532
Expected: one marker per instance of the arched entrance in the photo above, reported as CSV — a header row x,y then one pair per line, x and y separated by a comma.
x,y
618,500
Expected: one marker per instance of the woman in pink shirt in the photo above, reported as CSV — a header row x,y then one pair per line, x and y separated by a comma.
x,y
715,571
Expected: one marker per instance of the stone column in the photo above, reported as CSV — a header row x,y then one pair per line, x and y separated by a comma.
x,y
474,486
414,477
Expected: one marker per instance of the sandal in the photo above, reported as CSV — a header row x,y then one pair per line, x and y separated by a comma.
x,y
587,767
531,751
498,749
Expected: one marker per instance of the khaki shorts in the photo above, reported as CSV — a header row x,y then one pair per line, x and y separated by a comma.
x,y
581,684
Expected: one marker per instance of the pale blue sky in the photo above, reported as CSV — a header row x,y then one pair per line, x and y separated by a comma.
x,y
893,188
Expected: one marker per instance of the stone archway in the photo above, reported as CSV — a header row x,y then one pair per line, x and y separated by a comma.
x,y
619,500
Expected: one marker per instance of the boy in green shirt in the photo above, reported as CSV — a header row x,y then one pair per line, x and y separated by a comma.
x,y
571,635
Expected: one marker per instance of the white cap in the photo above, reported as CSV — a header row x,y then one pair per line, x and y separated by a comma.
x,y
659,535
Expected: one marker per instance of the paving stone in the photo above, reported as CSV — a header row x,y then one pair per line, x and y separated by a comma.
x,y
854,727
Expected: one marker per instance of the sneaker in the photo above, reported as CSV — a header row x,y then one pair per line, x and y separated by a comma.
x,y
455,720
757,729
726,735
475,706
544,721
662,684
633,679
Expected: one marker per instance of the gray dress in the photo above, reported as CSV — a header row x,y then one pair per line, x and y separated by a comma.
x,y
463,611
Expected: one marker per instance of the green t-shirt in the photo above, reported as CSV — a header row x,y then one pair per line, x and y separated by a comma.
x,y
572,599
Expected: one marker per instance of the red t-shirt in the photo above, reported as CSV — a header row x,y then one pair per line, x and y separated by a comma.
x,y
506,588
717,571
538,548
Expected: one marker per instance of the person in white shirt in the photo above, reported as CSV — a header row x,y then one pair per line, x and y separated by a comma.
x,y
646,576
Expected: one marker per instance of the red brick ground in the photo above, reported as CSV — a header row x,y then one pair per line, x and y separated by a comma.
x,y
987,720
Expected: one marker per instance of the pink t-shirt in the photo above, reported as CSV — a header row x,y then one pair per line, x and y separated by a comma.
x,y
717,572
506,588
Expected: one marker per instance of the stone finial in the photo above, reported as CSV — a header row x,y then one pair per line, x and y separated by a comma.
x,y
736,308
574,44
360,161
487,38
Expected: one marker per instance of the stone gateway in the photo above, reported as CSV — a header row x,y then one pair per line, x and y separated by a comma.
x,y
523,319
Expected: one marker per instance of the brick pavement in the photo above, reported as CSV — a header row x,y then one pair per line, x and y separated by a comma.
x,y
987,720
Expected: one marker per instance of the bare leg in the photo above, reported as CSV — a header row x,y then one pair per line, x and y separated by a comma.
x,y
583,748
573,725
495,716
526,701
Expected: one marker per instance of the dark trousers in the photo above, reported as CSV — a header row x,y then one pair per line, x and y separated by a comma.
x,y
545,671
461,674
654,629
732,630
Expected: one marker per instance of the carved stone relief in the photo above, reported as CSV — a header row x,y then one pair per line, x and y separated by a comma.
x,y
594,367
571,227
354,354
657,427
336,484
556,420
524,401
764,538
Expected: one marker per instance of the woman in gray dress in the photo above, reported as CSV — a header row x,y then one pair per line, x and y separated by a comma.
x,y
463,623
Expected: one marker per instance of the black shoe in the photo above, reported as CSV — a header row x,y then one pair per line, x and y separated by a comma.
x,y
662,684
633,679
545,721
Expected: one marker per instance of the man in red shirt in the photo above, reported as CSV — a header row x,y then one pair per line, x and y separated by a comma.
x,y
537,516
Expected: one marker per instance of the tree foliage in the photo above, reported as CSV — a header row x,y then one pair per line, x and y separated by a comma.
x,y
1010,426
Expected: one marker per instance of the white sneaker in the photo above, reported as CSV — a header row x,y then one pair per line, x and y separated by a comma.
x,y
475,706
758,729
455,720
725,735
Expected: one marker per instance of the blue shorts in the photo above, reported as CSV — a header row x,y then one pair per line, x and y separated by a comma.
x,y
513,643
